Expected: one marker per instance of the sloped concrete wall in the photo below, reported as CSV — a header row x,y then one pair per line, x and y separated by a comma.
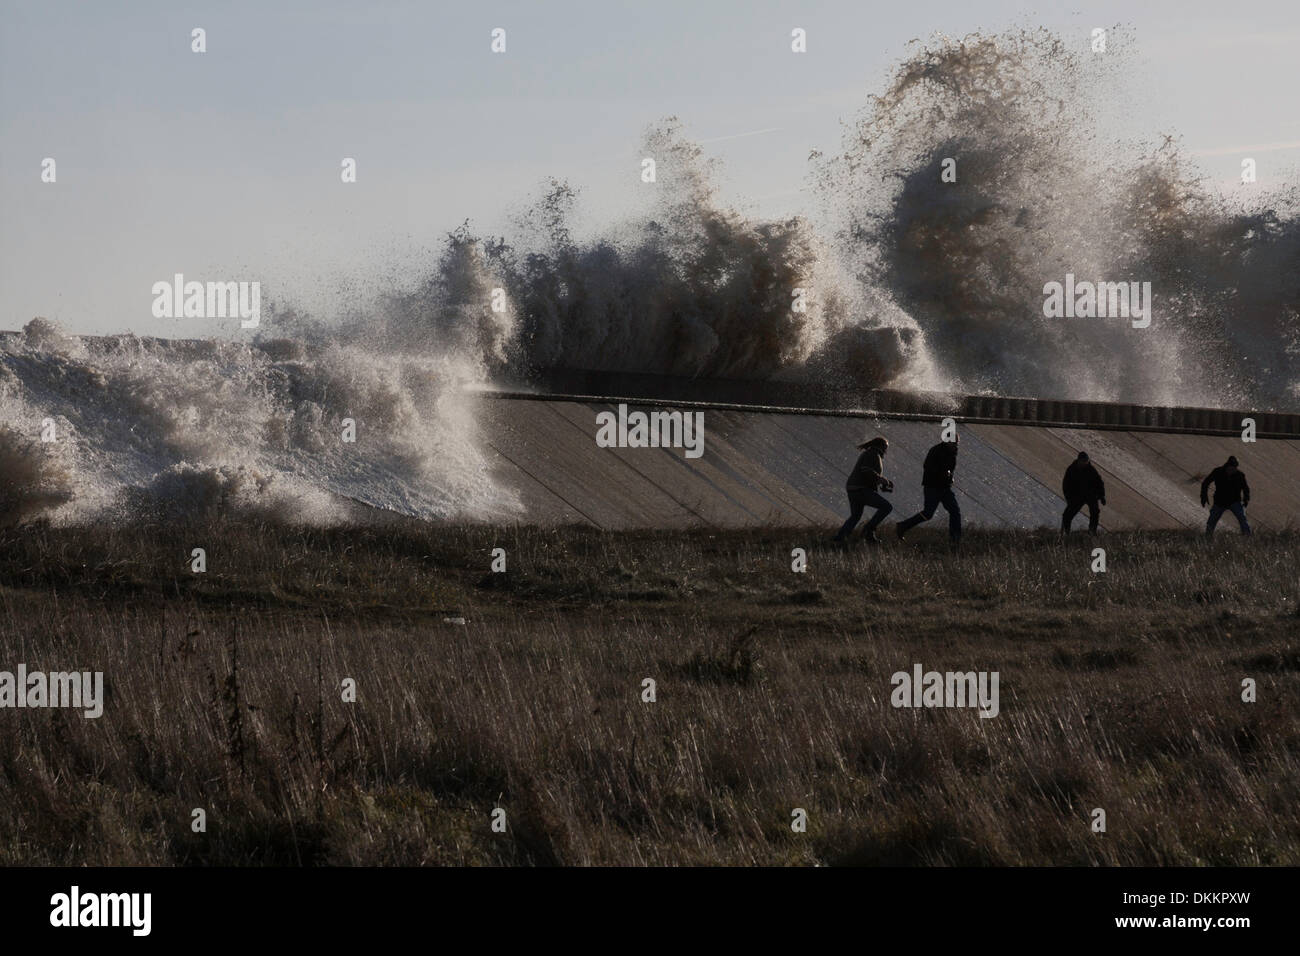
x,y
763,468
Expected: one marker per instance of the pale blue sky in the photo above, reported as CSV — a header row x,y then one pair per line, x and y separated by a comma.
x,y
225,165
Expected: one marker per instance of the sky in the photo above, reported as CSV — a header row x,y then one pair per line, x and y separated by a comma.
x,y
225,165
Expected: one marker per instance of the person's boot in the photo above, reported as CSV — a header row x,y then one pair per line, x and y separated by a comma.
x,y
870,537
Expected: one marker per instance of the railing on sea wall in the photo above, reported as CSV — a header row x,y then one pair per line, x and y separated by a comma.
x,y
827,399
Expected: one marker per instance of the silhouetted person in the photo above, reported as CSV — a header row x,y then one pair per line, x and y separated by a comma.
x,y
936,482
864,486
1082,486
1231,493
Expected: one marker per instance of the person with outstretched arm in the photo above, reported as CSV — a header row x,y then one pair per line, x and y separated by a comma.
x,y
1231,493
1082,485
865,483
936,483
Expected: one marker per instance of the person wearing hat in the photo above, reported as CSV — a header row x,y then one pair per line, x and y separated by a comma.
x,y
865,483
1082,485
1231,493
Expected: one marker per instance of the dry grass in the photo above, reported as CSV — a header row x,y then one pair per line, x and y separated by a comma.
x,y
1119,691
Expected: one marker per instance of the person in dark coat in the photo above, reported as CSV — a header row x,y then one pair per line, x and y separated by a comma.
x,y
1082,485
865,483
1231,493
936,483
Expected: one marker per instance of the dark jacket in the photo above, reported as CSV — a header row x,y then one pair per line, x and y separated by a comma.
x,y
1082,483
868,472
940,463
1228,489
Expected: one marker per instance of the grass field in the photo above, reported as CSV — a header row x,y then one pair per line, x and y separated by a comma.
x,y
523,690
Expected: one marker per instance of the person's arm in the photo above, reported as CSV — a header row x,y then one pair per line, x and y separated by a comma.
x,y
1101,487
1245,491
1205,489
